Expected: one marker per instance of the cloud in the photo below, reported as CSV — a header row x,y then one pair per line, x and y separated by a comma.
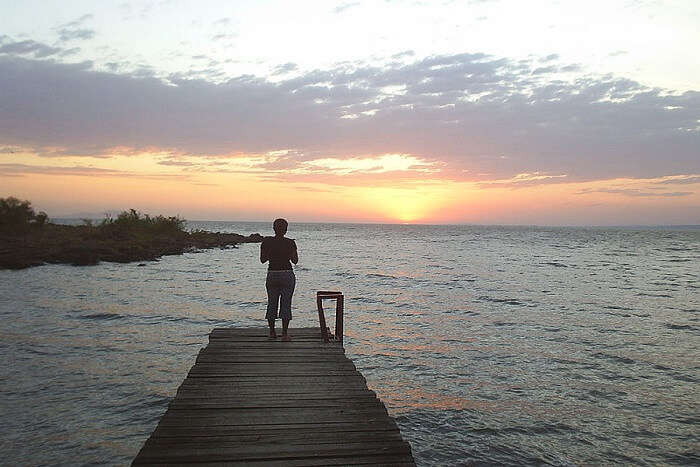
x,y
544,69
524,179
71,51
679,180
20,170
344,7
284,69
73,30
176,163
73,34
476,117
222,22
77,22
11,149
571,68
404,54
223,36
29,47
634,192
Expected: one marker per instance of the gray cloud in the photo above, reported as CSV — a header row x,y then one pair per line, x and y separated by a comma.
x,y
73,30
545,69
77,22
404,54
636,192
682,180
483,118
71,51
571,68
29,47
176,163
73,34
224,36
285,68
20,170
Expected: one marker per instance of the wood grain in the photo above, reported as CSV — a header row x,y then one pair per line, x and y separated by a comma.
x,y
250,400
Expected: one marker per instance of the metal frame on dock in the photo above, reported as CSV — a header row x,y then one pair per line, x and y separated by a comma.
x,y
339,310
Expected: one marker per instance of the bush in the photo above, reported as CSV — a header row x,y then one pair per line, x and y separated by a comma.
x,y
132,221
16,214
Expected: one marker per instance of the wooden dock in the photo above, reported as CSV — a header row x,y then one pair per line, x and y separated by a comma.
x,y
250,400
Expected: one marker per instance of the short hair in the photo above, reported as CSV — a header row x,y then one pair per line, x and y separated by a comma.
x,y
280,225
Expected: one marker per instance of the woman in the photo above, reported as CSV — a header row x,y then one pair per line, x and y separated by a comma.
x,y
279,251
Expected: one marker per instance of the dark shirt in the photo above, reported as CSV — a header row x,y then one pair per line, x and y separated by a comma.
x,y
280,251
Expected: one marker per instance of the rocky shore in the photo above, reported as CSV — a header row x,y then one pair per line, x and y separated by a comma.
x,y
82,245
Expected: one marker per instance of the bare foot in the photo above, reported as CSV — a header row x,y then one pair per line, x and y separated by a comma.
x,y
286,338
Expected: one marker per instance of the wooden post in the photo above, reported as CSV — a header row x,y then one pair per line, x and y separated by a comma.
x,y
321,317
339,310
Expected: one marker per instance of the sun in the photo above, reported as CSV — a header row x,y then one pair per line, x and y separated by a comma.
x,y
404,205
407,217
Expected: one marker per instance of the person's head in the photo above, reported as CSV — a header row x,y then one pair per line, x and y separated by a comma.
x,y
280,227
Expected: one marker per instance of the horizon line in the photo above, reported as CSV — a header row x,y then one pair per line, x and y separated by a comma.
x,y
464,224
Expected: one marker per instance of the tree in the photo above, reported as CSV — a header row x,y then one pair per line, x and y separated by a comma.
x,y
15,212
18,215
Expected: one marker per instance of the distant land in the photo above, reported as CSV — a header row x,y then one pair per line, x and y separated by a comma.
x,y
28,238
77,217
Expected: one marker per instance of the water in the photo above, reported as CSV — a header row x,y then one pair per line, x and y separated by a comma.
x,y
489,345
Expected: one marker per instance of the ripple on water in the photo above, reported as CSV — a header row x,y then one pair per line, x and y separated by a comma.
x,y
491,346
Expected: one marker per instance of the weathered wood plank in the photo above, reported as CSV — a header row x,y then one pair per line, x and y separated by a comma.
x,y
276,452
275,416
248,352
273,359
203,366
279,403
384,461
271,396
278,345
385,424
251,400
281,437
283,379
259,387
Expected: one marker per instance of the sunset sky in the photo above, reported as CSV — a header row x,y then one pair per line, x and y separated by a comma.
x,y
475,111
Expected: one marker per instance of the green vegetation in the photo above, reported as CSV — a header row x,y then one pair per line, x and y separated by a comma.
x,y
28,239
132,221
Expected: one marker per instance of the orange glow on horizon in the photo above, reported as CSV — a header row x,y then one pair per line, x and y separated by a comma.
x,y
75,185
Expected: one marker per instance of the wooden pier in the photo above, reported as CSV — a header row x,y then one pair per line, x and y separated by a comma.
x,y
250,400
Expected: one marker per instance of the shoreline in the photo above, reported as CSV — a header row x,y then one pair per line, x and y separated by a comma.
x,y
85,245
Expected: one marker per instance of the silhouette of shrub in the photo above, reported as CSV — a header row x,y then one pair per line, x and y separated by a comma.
x,y
18,215
41,218
133,222
29,239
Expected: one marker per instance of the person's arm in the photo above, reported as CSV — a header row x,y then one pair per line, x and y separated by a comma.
x,y
295,255
264,254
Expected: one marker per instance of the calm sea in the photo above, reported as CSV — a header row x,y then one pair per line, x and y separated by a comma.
x,y
489,345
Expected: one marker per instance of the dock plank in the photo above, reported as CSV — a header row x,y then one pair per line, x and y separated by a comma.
x,y
250,400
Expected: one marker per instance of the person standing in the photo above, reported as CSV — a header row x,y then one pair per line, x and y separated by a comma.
x,y
280,251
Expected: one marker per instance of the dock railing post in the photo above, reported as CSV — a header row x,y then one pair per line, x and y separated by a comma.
x,y
339,311
339,308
